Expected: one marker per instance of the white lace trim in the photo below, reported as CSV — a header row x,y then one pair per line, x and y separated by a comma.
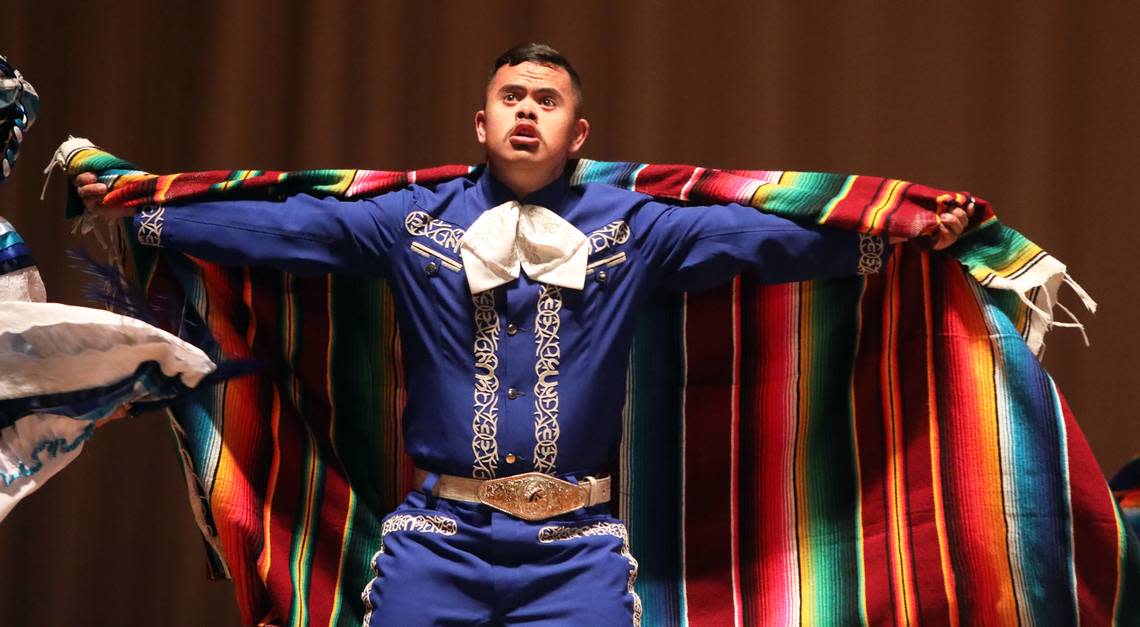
x,y
484,444
150,225
615,529
547,350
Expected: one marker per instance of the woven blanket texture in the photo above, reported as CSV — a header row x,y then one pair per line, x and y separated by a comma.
x,y
872,450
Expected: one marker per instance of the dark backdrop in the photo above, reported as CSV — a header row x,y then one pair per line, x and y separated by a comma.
x,y
1034,108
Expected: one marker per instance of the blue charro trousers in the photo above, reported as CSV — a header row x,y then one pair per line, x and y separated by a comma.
x,y
445,562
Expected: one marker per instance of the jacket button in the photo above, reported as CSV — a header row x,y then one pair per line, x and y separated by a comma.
x,y
431,268
512,393
510,458
601,277
512,328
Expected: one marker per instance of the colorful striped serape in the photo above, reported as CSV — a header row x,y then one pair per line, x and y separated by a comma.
x,y
881,450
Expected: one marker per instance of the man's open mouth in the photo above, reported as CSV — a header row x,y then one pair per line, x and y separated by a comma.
x,y
525,134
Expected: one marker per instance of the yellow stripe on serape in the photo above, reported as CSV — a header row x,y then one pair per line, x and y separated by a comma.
x,y
236,179
1017,263
346,180
860,535
879,212
808,593
163,186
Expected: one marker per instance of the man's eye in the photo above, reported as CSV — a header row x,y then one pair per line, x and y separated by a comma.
x,y
548,102
509,98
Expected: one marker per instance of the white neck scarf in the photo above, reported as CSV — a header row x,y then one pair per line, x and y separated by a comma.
x,y
514,236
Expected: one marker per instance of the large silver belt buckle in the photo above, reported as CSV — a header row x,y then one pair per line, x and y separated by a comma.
x,y
532,495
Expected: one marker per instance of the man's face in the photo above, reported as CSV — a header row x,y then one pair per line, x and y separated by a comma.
x,y
530,119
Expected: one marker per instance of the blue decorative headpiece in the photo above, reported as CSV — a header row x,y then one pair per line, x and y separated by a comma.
x,y
18,105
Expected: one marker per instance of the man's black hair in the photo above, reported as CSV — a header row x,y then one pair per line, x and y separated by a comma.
x,y
541,54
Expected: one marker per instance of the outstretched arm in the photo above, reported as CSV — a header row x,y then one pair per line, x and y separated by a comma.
x,y
300,234
697,247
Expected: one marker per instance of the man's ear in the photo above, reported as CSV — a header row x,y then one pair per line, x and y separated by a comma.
x,y
581,132
481,127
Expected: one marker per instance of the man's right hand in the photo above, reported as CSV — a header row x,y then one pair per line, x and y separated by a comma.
x,y
91,191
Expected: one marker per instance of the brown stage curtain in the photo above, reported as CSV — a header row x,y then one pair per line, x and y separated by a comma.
x,y
1032,106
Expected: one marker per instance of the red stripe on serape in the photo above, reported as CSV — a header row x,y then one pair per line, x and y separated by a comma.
x,y
878,205
872,451
292,468
769,556
926,585
708,459
1096,553
664,180
898,531
331,505
715,186
440,173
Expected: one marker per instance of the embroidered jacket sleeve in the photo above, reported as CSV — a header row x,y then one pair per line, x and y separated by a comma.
x,y
301,234
697,247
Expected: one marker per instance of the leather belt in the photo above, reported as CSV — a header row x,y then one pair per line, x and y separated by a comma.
x,y
529,496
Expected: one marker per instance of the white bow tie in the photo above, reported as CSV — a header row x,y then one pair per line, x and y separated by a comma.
x,y
513,236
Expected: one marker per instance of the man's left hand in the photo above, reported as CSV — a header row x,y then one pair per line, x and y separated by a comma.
x,y
952,223
950,226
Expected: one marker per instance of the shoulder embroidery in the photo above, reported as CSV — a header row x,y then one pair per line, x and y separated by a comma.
x,y
443,233
150,225
610,235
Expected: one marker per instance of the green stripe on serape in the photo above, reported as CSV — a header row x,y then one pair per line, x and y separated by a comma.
x,y
802,195
656,458
827,461
360,381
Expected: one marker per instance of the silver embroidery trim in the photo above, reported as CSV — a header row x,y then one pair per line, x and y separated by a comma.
x,y
485,424
421,523
150,225
445,234
870,254
618,530
547,350
612,234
